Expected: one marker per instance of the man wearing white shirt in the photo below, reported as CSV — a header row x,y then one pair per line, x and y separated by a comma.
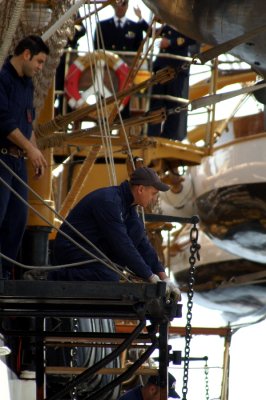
x,y
120,33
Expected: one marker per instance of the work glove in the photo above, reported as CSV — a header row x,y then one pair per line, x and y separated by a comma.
x,y
154,278
172,289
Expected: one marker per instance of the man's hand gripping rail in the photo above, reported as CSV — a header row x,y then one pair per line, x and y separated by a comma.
x,y
172,289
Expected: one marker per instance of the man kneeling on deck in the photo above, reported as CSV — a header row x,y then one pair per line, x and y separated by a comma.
x,y
107,220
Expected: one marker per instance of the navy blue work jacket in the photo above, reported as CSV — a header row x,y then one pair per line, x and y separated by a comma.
x,y
107,218
16,103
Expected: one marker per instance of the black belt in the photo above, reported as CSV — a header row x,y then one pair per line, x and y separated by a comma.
x,y
12,151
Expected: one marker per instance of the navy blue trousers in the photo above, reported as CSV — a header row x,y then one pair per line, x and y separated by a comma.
x,y
175,126
90,272
13,212
64,252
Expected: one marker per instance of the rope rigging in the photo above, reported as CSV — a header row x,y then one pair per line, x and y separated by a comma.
x,y
105,122
56,132
61,122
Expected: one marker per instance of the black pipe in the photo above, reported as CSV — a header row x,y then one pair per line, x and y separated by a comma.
x,y
127,374
89,371
171,218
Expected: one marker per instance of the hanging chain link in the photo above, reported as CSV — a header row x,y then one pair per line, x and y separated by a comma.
x,y
74,356
194,254
206,371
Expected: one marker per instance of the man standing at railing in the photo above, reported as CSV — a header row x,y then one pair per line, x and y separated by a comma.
x,y
121,34
175,126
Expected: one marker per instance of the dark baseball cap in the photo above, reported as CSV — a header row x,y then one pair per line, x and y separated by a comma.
x,y
147,177
155,380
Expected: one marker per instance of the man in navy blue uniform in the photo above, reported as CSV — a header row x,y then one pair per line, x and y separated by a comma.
x,y
175,126
120,33
108,219
17,139
151,391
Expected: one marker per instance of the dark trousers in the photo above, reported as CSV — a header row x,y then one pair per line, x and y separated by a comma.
x,y
13,212
175,126
90,272
64,252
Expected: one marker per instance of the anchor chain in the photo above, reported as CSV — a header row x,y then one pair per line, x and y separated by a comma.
x,y
194,255
74,356
206,372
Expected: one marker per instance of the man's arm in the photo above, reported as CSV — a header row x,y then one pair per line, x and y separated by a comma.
x,y
9,130
108,216
30,147
150,256
114,231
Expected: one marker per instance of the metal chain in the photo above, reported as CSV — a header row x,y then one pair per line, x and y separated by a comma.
x,y
74,356
194,253
206,371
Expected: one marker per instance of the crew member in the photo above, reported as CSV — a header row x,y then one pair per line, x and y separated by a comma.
x,y
121,34
151,391
17,140
108,218
175,126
